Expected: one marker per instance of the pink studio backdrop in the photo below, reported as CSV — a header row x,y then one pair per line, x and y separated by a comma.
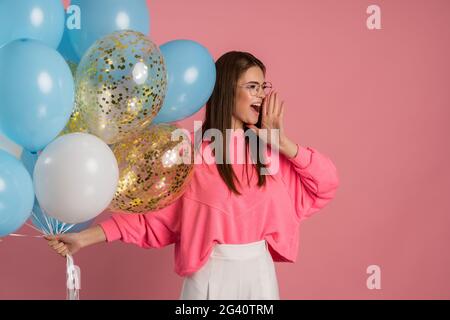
x,y
375,101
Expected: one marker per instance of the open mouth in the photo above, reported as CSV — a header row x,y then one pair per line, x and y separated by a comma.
x,y
256,107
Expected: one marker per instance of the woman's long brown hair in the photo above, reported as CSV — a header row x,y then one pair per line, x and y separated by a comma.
x,y
219,110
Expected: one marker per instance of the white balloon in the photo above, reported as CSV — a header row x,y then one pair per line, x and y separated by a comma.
x,y
75,177
9,146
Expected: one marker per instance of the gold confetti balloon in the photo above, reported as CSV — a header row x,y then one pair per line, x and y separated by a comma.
x,y
154,167
120,86
75,123
73,67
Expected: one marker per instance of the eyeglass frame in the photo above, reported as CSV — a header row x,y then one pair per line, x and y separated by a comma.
x,y
260,86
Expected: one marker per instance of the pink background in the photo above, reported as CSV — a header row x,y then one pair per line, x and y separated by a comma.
x,y
375,101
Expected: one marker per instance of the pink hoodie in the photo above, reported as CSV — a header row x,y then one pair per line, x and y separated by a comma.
x,y
208,213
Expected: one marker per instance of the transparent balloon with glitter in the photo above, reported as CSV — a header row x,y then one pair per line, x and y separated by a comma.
x,y
121,83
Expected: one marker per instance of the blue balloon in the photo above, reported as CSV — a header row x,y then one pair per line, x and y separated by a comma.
x,y
29,160
191,74
41,20
102,17
66,49
16,194
37,92
39,218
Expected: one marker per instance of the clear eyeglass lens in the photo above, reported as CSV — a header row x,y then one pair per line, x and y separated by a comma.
x,y
267,88
254,88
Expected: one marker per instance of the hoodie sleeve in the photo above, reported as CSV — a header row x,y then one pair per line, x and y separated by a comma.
x,y
153,229
311,178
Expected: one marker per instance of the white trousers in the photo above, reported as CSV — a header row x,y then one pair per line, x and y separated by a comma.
x,y
234,272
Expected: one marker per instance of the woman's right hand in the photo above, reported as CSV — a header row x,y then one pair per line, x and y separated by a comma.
x,y
64,244
70,243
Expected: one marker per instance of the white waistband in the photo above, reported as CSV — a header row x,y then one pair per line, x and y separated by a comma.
x,y
239,251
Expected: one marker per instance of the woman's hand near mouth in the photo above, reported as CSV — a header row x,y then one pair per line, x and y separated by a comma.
x,y
272,121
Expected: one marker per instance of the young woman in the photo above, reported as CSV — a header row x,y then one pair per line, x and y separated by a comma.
x,y
229,227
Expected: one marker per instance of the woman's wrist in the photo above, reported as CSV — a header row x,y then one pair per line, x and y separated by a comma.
x,y
91,236
288,147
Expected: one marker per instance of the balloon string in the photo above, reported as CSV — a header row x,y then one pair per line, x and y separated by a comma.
x,y
68,227
52,228
73,279
24,235
33,227
47,220
62,228
19,235
41,224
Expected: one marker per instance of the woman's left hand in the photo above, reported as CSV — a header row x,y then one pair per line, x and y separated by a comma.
x,y
272,122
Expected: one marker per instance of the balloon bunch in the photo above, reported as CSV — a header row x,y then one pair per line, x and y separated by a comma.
x,y
85,112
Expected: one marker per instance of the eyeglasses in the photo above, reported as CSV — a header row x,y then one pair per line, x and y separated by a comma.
x,y
254,87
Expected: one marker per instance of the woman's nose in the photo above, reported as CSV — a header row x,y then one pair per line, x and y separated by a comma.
x,y
261,93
